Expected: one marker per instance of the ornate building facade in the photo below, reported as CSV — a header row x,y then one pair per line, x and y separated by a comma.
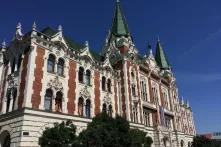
x,y
46,77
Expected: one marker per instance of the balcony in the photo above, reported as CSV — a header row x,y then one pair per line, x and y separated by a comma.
x,y
149,105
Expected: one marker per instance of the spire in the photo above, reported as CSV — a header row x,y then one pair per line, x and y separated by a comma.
x,y
34,26
119,26
150,51
160,56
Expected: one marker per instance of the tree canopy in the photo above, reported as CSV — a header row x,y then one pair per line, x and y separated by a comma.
x,y
103,131
63,134
202,141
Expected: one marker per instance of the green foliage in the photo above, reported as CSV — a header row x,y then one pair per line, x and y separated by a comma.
x,y
139,139
105,131
201,141
63,134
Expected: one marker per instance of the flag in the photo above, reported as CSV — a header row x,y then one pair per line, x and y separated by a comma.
x,y
162,116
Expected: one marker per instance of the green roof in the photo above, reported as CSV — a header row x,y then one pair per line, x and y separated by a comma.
x,y
71,43
160,57
119,27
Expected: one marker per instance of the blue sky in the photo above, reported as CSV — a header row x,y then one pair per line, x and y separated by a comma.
x,y
190,31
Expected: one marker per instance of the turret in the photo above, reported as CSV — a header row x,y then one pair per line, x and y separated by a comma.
x,y
161,58
119,37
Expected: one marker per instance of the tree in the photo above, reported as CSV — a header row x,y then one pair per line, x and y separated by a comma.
x,y
201,141
105,131
139,139
61,135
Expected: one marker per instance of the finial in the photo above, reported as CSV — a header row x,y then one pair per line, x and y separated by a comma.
x,y
60,28
182,101
34,26
3,45
18,33
187,104
118,1
158,38
149,45
18,26
87,44
150,51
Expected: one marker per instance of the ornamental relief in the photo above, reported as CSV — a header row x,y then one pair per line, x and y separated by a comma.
x,y
55,84
107,99
85,93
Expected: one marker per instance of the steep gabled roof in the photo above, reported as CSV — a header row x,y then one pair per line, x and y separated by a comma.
x,y
71,43
119,26
160,57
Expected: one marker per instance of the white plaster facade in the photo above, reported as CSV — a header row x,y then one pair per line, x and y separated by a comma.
x,y
24,115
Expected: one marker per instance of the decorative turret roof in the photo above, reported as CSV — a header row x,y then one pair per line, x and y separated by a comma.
x,y
160,57
119,26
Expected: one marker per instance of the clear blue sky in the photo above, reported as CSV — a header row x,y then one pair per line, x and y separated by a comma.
x,y
190,31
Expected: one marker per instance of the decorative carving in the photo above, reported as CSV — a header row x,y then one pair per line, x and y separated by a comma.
x,y
55,84
107,99
12,82
85,93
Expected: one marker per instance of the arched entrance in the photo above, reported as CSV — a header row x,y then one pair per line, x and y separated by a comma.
x,y
5,139
166,142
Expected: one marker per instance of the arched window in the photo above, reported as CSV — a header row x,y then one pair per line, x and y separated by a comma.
x,y
104,109
13,65
8,96
110,110
81,75
135,114
103,83
182,143
14,98
133,77
80,106
189,144
60,67
51,63
88,108
58,102
133,85
88,77
5,139
48,100
133,90
109,85
19,61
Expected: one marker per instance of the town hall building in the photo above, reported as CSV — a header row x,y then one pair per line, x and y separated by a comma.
x,y
46,77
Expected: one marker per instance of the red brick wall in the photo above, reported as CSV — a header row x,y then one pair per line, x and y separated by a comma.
x,y
38,74
3,88
97,92
23,81
139,97
129,88
115,96
123,49
123,94
72,87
